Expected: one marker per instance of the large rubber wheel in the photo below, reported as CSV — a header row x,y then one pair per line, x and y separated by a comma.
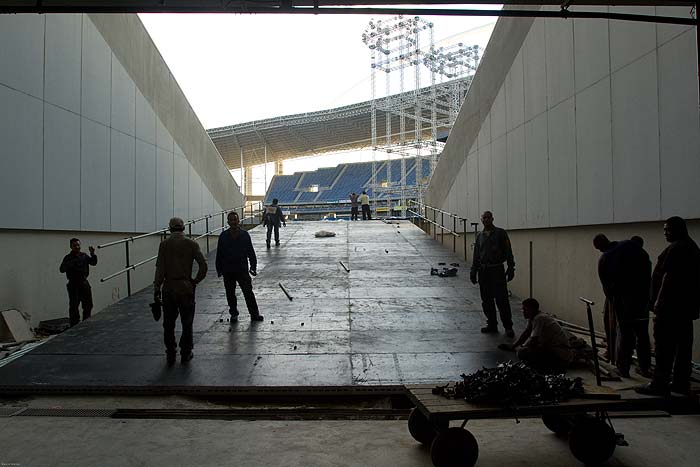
x,y
592,441
421,429
559,424
454,447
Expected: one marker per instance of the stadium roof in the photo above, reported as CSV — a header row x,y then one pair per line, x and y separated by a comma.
x,y
342,128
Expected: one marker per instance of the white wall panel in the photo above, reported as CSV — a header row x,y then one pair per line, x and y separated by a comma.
x,y
594,154
96,75
146,187
95,178
666,32
484,136
473,186
63,39
560,60
485,182
21,160
562,164
498,114
123,99
164,186
517,179
182,190
195,204
123,184
679,128
636,142
164,139
535,72
499,165
61,169
462,195
537,172
22,53
145,119
630,40
515,95
591,46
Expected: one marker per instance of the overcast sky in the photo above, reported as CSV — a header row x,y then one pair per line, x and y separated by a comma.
x,y
238,68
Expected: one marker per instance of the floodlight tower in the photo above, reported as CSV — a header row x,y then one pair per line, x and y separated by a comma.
x,y
395,45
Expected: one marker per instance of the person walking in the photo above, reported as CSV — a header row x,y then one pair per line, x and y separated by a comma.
x,y
606,247
354,211
491,249
272,218
232,254
76,266
176,255
366,211
676,304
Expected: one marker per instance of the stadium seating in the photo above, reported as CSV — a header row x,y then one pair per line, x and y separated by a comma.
x,y
336,183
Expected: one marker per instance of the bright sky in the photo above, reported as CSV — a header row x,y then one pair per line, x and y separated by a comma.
x,y
237,68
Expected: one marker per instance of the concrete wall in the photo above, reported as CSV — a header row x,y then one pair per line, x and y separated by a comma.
x,y
574,127
96,141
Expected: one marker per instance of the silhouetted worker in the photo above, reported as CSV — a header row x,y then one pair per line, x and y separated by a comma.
x,y
76,266
676,304
605,246
354,211
232,254
631,283
366,211
273,218
491,249
543,344
174,273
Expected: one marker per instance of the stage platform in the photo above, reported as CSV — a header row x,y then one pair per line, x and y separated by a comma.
x,y
385,323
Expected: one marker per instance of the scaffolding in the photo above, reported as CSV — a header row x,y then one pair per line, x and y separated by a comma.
x,y
396,46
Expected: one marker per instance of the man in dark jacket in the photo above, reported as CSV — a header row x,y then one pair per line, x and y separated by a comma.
x,y
491,249
174,273
273,218
626,276
76,266
232,254
676,304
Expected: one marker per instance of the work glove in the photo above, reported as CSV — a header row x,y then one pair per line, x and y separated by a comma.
x,y
284,224
472,277
253,272
156,296
510,274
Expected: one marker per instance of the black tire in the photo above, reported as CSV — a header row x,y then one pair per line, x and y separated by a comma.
x,y
592,441
559,424
421,429
454,447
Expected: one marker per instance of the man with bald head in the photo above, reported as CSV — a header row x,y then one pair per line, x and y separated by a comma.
x,y
492,249
174,274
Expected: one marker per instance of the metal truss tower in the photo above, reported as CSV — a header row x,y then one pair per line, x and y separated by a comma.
x,y
396,46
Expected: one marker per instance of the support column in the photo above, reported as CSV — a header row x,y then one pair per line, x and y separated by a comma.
x,y
279,167
248,181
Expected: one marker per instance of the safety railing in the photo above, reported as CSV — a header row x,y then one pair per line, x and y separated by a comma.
x,y
424,211
253,210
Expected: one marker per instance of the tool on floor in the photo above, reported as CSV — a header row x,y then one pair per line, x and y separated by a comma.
x,y
344,266
285,292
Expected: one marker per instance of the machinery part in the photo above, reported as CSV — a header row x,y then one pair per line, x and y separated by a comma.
x,y
558,424
454,447
592,441
421,429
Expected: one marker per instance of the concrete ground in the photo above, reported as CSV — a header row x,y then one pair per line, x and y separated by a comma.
x,y
80,442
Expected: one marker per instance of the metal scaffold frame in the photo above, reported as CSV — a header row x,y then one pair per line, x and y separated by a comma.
x,y
395,45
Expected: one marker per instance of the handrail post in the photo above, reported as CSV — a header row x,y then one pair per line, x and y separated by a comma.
x,y
465,239
442,228
454,237
128,273
190,229
434,223
207,232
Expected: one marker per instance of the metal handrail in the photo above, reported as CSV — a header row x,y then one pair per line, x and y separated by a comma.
x,y
435,209
126,241
453,231
435,223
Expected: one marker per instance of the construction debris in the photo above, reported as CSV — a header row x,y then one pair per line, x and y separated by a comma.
x,y
512,384
324,233
15,327
53,326
445,272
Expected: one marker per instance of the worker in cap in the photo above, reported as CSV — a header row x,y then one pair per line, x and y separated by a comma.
x,y
174,275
